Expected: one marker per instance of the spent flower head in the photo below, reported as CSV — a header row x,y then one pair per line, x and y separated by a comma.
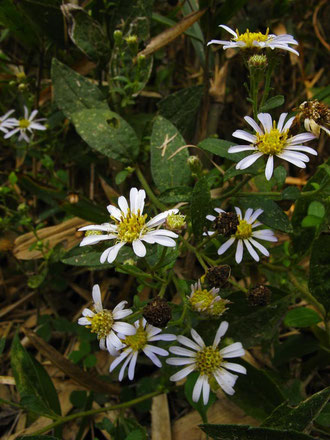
x,y
105,323
207,301
246,234
315,116
257,40
130,225
140,341
272,140
209,361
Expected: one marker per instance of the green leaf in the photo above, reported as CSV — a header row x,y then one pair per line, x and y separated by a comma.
x,y
256,393
86,33
280,175
301,317
220,147
166,140
137,434
311,221
200,206
275,101
290,193
35,387
176,195
324,417
316,209
198,406
319,272
254,326
90,256
272,216
181,108
37,437
245,432
73,92
295,346
108,133
301,417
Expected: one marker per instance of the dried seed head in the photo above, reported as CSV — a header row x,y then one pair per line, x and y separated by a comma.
x,y
259,296
315,115
226,223
158,312
217,276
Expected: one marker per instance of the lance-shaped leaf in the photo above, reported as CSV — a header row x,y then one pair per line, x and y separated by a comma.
x,y
200,206
86,33
319,274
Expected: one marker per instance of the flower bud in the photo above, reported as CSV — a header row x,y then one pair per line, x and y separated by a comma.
x,y
258,61
118,37
195,165
175,222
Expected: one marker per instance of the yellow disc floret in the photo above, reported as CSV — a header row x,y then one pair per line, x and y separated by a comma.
x,y
24,123
130,227
87,233
244,230
208,360
201,299
272,142
138,341
101,323
249,37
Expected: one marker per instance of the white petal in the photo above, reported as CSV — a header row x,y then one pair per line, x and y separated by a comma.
x,y
152,331
223,327
88,312
37,126
239,148
248,214
211,218
139,248
269,167
163,232
164,241
255,215
295,155
157,350
206,391
301,138
120,306
241,134
140,200
133,199
180,361
122,370
222,249
197,338
289,123
84,321
263,235
233,350
296,162
251,251
266,121
154,359
224,383
114,212
239,252
131,368
112,339
163,337
157,220
96,294
281,121
123,205
238,212
103,227
182,351
301,148
227,28
218,210
259,246
197,389
188,342
124,328
253,124
119,359
248,161
235,367
120,314
102,344
104,255
93,239
182,373
113,252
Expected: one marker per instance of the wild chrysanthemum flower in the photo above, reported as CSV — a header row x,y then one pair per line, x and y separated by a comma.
x,y
206,301
130,226
245,234
272,140
138,342
257,40
209,361
6,122
105,322
26,124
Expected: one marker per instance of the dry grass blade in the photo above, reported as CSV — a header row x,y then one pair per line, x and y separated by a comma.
x,y
171,34
52,235
160,418
74,371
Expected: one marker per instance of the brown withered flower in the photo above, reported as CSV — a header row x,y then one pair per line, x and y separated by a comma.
x,y
158,312
315,116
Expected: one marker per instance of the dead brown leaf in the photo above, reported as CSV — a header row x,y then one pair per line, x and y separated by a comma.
x,y
160,418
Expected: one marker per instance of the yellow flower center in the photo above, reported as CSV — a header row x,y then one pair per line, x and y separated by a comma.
x,y
249,37
130,227
24,123
218,307
203,300
208,360
176,221
87,233
101,323
273,142
138,341
244,230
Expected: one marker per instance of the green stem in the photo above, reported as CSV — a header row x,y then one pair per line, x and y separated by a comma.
x,y
92,412
307,295
269,72
149,191
236,189
195,251
238,286
261,193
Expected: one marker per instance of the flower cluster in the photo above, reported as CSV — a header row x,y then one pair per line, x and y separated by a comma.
x,y
24,126
257,40
207,301
245,234
130,225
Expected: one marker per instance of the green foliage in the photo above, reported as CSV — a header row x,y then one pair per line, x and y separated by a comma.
x,y
168,172
198,406
200,206
301,317
319,272
35,387
274,102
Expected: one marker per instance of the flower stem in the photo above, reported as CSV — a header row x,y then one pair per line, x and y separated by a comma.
x,y
148,190
92,412
236,189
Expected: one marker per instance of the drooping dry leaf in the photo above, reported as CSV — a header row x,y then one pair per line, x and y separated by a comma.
x,y
160,418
